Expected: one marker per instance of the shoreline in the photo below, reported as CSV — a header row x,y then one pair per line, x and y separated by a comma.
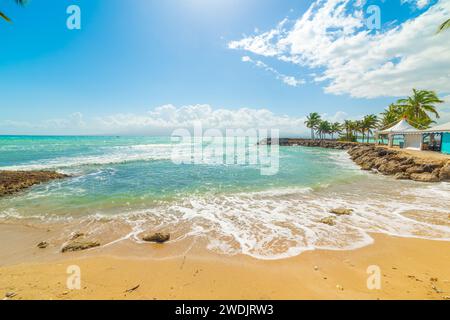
x,y
127,268
410,269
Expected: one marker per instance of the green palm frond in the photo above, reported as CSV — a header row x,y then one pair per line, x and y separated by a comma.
x,y
21,2
18,2
418,108
444,26
2,15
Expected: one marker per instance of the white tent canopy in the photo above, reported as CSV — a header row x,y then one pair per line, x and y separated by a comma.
x,y
438,129
403,127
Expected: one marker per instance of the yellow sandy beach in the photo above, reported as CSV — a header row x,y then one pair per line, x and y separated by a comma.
x,y
410,269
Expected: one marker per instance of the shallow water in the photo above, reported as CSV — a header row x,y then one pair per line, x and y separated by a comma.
x,y
123,186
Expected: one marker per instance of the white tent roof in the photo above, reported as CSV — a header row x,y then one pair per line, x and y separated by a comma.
x,y
441,128
403,127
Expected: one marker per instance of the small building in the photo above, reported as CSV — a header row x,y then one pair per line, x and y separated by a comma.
x,y
438,137
434,139
412,137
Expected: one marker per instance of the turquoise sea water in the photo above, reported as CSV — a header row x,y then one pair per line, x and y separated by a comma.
x,y
134,180
123,171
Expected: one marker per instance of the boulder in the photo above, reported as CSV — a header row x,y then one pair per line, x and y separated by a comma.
x,y
408,162
390,168
402,176
430,167
77,235
342,211
328,220
42,245
10,295
379,162
80,246
403,167
367,166
444,173
157,237
424,177
415,169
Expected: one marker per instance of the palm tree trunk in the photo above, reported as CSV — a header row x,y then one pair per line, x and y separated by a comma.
x,y
2,15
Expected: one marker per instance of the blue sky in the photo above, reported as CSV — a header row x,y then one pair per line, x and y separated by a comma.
x,y
189,56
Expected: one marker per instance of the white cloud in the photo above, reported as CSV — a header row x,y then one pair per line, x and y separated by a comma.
x,y
165,119
169,117
420,4
332,39
289,80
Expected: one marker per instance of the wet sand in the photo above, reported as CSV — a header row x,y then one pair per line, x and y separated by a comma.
x,y
410,269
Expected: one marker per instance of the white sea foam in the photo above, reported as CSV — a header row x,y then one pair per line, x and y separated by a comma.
x,y
284,223
439,191
278,192
104,159
278,224
117,155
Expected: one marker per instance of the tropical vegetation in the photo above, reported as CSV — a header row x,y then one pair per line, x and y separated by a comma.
x,y
312,122
419,109
19,2
444,26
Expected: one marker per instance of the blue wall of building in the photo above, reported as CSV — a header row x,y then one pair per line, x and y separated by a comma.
x,y
446,143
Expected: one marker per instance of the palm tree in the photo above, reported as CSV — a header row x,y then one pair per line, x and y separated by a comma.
x,y
323,129
368,123
351,129
348,126
358,128
335,128
390,116
417,107
19,2
312,122
444,26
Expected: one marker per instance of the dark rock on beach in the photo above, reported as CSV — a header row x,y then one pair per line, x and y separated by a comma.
x,y
402,176
157,237
10,295
342,212
444,174
328,220
14,181
42,245
77,235
80,246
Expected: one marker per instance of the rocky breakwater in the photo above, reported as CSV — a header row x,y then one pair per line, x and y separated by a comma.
x,y
370,157
14,181
329,144
400,164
